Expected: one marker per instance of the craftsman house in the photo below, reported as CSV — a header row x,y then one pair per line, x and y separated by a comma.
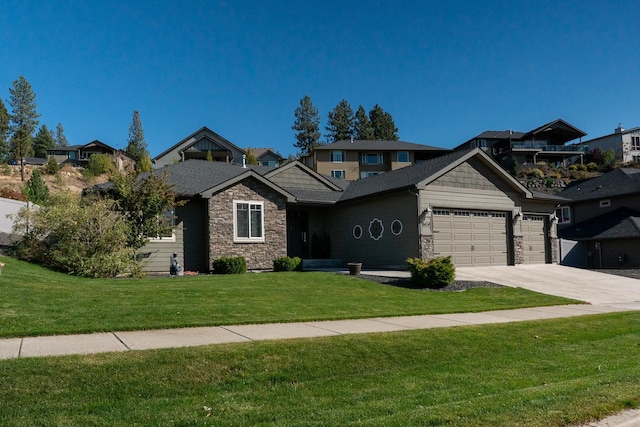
x,y
461,204
79,155
599,222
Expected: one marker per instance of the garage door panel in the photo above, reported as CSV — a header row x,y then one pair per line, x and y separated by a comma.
x,y
534,239
471,237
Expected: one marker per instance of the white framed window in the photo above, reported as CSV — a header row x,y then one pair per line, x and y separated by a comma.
x,y
248,221
563,214
396,227
605,203
341,174
357,232
372,158
367,174
168,218
338,156
269,163
635,142
403,157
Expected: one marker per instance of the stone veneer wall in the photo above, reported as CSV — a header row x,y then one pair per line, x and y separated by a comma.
x,y
258,255
555,256
426,247
518,248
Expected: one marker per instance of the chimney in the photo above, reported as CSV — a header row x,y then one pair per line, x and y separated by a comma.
x,y
619,129
244,160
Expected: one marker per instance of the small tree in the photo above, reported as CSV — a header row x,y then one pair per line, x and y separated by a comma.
x,y
136,145
307,126
99,164
209,156
250,158
384,128
4,133
36,189
145,163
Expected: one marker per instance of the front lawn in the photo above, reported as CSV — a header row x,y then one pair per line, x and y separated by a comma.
x,y
36,301
557,372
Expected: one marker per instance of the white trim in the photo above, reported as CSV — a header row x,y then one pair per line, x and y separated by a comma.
x,y
605,203
357,227
401,227
250,204
371,224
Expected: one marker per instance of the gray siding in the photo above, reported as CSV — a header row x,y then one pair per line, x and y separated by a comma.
x,y
295,177
157,253
583,211
389,250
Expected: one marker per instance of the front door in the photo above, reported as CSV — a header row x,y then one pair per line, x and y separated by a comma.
x,y
297,233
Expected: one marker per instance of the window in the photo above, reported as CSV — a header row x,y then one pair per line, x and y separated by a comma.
x,y
339,174
248,224
376,228
357,232
269,163
605,203
635,142
563,214
403,157
367,174
396,227
338,156
167,219
371,158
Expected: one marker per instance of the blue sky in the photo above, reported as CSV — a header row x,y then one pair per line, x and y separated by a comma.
x,y
445,70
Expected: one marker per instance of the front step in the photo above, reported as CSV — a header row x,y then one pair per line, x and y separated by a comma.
x,y
310,264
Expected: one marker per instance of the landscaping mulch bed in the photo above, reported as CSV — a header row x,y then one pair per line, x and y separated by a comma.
x,y
456,286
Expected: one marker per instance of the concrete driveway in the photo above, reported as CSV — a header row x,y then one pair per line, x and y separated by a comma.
x,y
584,285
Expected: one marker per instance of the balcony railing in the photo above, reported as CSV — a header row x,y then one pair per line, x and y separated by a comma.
x,y
543,146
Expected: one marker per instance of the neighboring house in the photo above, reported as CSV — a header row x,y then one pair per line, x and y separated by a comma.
x,y
461,204
546,143
9,210
79,155
625,143
267,157
197,146
600,223
355,159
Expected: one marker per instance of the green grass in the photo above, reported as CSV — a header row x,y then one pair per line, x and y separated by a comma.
x,y
36,301
545,373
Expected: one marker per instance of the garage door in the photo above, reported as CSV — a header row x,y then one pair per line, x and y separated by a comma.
x,y
533,237
471,237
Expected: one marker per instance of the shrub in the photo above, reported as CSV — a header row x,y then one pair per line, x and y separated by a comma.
x,y
287,264
591,167
36,189
433,274
230,265
99,164
10,193
51,167
536,173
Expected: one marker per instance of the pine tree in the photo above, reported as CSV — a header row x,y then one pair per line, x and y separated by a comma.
x,y
61,139
250,158
384,128
341,122
136,145
307,126
4,133
362,129
36,189
42,142
23,120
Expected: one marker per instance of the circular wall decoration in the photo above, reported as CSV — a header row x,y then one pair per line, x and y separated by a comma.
x,y
376,228
396,227
357,231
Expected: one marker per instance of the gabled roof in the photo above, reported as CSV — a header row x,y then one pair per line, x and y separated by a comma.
x,y
190,140
360,145
622,132
623,223
306,169
421,174
618,182
557,131
260,152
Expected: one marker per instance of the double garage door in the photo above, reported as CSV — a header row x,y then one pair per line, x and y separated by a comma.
x,y
476,238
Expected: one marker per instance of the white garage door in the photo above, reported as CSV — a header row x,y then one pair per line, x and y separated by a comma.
x,y
533,237
471,237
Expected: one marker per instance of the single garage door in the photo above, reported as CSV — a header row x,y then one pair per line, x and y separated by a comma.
x,y
533,236
471,237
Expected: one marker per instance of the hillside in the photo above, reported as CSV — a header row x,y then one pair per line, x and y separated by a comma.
x,y
69,178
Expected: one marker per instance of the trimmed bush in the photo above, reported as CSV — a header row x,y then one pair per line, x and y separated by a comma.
x,y
230,265
536,173
286,263
433,274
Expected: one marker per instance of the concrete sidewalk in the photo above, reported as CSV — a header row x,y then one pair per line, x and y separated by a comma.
x,y
62,345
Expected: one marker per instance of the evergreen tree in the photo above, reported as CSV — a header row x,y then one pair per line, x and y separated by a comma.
x,y
362,129
250,158
307,126
145,164
341,122
36,189
23,120
136,145
61,139
42,142
384,128
4,133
